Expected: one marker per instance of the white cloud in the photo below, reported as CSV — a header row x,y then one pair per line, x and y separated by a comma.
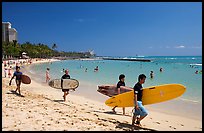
x,y
181,46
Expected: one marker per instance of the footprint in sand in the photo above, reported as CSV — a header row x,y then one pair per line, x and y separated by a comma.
x,y
157,122
88,112
172,127
29,117
96,115
57,122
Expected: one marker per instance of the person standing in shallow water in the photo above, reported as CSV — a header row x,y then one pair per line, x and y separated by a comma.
x,y
47,75
151,74
66,91
139,109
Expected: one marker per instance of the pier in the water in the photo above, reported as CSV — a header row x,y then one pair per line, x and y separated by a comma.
x,y
127,59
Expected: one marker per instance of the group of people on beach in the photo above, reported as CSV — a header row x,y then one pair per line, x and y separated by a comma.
x,y
139,111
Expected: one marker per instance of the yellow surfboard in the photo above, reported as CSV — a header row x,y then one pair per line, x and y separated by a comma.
x,y
151,95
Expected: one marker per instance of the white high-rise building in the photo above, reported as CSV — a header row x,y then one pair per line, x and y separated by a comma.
x,y
12,34
8,34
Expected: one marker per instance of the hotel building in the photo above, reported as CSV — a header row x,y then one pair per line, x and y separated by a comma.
x,y
8,34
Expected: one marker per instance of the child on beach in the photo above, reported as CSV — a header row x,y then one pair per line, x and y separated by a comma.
x,y
139,109
66,91
17,74
47,75
121,82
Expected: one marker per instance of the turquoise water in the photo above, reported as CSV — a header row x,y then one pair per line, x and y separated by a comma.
x,y
176,69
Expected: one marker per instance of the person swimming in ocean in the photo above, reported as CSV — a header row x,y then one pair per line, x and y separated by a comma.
x,y
96,69
161,69
151,74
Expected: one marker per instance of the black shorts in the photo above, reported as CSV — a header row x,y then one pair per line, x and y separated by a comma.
x,y
64,90
18,82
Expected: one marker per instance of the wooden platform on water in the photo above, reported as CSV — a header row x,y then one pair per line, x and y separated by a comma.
x,y
126,59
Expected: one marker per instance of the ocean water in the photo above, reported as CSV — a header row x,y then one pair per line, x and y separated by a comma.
x,y
176,69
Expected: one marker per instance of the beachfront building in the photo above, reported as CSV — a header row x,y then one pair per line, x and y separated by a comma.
x,y
24,56
89,53
12,34
8,34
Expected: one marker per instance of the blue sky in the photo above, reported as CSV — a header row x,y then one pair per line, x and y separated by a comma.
x,y
110,28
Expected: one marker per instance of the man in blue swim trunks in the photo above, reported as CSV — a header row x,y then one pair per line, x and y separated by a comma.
x,y
139,109
17,74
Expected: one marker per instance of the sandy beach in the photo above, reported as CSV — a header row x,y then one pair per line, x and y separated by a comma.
x,y
41,108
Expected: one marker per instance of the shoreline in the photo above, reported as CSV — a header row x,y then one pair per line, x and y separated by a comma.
x,y
176,106
43,108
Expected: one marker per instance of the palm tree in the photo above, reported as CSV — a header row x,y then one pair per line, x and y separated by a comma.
x,y
14,43
54,46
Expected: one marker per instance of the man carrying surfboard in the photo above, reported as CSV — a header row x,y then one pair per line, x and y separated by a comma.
x,y
139,109
17,74
121,82
66,91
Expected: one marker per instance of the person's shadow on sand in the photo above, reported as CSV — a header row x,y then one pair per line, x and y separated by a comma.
x,y
14,92
58,100
111,113
127,126
132,128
